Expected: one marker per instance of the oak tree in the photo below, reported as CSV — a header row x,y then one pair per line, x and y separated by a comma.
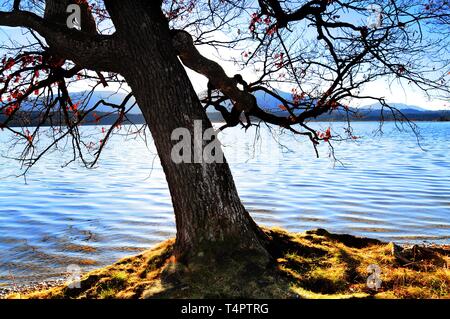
x,y
326,51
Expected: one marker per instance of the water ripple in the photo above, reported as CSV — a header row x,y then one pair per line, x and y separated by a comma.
x,y
388,188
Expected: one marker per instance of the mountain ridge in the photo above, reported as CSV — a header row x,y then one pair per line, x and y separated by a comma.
x,y
370,112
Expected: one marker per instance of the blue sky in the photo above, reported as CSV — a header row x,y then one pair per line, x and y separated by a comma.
x,y
396,92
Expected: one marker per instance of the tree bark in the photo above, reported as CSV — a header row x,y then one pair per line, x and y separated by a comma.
x,y
210,217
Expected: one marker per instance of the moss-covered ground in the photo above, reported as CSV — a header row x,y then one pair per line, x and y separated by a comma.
x,y
314,264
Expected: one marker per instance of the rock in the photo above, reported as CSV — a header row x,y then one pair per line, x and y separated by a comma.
x,y
397,251
347,240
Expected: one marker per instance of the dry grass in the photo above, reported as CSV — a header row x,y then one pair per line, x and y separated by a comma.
x,y
315,264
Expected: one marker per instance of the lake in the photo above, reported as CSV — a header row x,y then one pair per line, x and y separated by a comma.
x,y
385,187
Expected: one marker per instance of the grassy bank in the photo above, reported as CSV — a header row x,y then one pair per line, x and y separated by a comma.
x,y
314,264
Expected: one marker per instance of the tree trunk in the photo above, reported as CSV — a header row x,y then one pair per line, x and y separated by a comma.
x,y
210,217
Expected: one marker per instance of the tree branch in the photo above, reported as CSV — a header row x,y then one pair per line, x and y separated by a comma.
x,y
243,100
16,5
90,51
189,55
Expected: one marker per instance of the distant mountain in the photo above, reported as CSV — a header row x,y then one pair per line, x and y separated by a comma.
x,y
265,101
109,96
370,112
95,118
399,106
386,115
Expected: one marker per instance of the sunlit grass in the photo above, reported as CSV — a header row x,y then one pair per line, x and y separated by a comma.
x,y
314,264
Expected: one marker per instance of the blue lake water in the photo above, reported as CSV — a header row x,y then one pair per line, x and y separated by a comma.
x,y
385,187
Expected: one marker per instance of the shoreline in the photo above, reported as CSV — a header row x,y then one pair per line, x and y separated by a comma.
x,y
409,257
24,288
40,285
